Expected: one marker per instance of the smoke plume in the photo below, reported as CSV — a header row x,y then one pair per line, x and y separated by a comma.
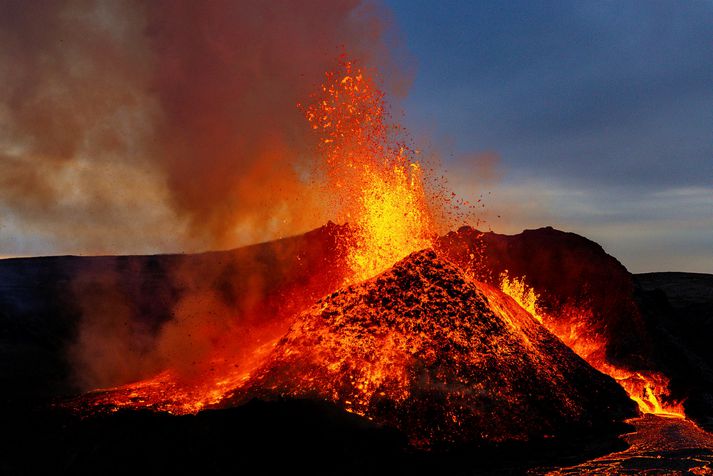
x,y
160,126
132,127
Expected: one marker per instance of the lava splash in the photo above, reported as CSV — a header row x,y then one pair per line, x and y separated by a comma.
x,y
373,178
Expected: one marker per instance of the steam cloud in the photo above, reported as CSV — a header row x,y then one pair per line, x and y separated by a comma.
x,y
165,125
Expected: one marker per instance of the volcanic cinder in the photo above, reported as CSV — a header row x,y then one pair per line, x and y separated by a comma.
x,y
443,358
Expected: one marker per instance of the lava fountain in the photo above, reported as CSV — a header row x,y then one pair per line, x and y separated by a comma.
x,y
376,183
373,181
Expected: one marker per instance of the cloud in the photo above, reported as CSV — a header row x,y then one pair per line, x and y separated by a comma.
x,y
130,126
661,230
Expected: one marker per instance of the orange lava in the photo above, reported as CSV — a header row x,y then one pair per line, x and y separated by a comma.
x,y
649,389
373,178
173,392
524,295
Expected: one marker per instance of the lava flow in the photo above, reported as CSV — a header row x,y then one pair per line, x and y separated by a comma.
x,y
649,389
172,392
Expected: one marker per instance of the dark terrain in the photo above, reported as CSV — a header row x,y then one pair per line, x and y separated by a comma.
x,y
679,312
658,320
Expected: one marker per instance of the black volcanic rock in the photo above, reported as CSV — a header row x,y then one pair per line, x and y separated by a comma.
x,y
444,359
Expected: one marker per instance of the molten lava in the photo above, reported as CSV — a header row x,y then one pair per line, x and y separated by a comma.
x,y
372,176
425,349
649,389
172,392
524,295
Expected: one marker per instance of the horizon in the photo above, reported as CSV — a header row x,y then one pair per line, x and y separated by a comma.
x,y
226,250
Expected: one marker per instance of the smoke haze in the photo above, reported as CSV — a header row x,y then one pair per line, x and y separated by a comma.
x,y
163,126
137,127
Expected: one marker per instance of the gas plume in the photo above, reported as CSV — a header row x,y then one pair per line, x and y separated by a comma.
x,y
172,123
140,127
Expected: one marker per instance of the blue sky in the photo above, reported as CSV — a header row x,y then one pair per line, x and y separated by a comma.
x,y
600,115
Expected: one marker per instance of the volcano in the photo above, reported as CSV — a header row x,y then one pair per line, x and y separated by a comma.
x,y
441,357
427,341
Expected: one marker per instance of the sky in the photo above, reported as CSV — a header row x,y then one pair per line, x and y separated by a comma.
x,y
169,126
596,116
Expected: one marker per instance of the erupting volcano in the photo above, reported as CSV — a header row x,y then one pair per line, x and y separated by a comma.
x,y
467,339
421,338
386,360
425,349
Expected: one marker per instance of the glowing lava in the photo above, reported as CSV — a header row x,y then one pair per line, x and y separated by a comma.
x,y
524,295
372,177
649,389
172,392
423,348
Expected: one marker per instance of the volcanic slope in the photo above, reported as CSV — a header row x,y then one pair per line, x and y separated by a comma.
x,y
445,359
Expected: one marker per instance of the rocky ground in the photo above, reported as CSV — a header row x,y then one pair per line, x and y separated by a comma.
x,y
658,445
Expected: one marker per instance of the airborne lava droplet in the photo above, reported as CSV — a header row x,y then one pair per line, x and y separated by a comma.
x,y
377,182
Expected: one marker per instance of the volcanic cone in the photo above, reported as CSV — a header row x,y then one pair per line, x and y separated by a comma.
x,y
445,359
